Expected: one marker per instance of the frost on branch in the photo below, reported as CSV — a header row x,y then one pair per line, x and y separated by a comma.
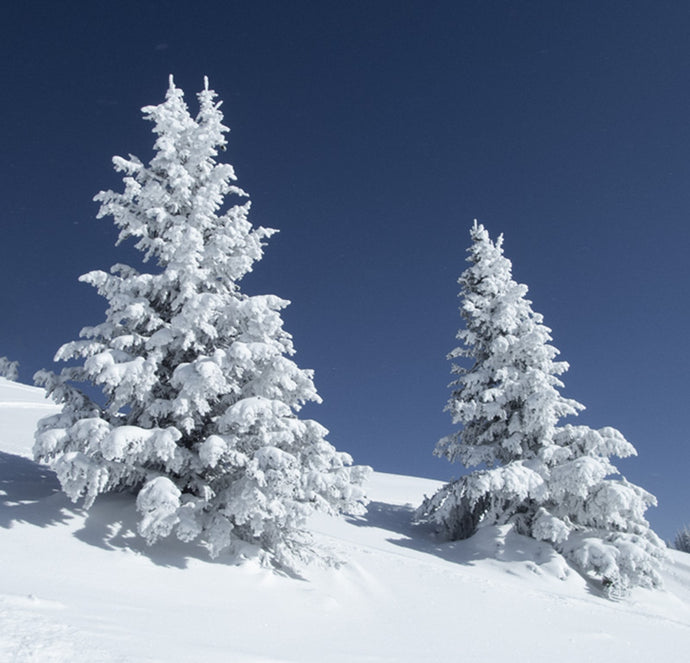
x,y
200,399
551,481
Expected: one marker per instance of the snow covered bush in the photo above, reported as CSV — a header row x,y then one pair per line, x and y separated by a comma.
x,y
682,540
199,415
9,369
550,481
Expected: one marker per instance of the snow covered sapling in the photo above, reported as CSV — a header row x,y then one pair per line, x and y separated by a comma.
x,y
9,369
199,415
682,540
549,481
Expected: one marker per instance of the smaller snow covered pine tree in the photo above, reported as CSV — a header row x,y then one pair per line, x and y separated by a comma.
x,y
9,369
199,415
549,481
682,540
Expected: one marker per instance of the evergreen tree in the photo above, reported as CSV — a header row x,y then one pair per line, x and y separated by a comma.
x,y
200,395
548,480
682,540
9,369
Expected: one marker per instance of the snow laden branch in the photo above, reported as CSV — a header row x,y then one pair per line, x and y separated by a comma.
x,y
200,399
553,482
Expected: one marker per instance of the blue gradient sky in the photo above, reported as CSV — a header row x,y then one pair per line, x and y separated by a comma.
x,y
371,134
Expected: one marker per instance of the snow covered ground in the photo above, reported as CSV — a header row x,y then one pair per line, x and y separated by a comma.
x,y
79,587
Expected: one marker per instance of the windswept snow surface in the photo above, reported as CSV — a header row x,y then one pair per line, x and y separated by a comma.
x,y
79,587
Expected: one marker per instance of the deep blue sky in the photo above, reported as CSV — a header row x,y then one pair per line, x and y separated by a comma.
x,y
371,134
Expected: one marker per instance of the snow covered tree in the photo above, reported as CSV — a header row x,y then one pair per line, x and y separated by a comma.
x,y
682,540
9,369
200,397
548,480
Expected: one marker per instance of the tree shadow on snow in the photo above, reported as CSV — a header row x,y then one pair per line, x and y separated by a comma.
x,y
396,518
399,519
30,493
111,524
522,555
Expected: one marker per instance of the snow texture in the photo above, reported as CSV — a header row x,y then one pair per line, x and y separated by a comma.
x,y
549,481
83,587
200,397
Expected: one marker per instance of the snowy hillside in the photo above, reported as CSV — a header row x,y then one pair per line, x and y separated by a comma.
x,y
82,587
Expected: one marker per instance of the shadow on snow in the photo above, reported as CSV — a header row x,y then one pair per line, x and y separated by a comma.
x,y
523,556
30,493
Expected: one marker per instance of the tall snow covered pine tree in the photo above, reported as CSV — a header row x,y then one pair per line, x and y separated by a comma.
x,y
200,397
547,480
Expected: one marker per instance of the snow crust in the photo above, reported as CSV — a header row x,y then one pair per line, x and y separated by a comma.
x,y
78,586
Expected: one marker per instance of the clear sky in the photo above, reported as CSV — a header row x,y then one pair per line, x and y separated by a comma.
x,y
372,134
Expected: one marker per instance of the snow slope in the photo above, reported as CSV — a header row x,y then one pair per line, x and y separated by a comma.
x,y
80,587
